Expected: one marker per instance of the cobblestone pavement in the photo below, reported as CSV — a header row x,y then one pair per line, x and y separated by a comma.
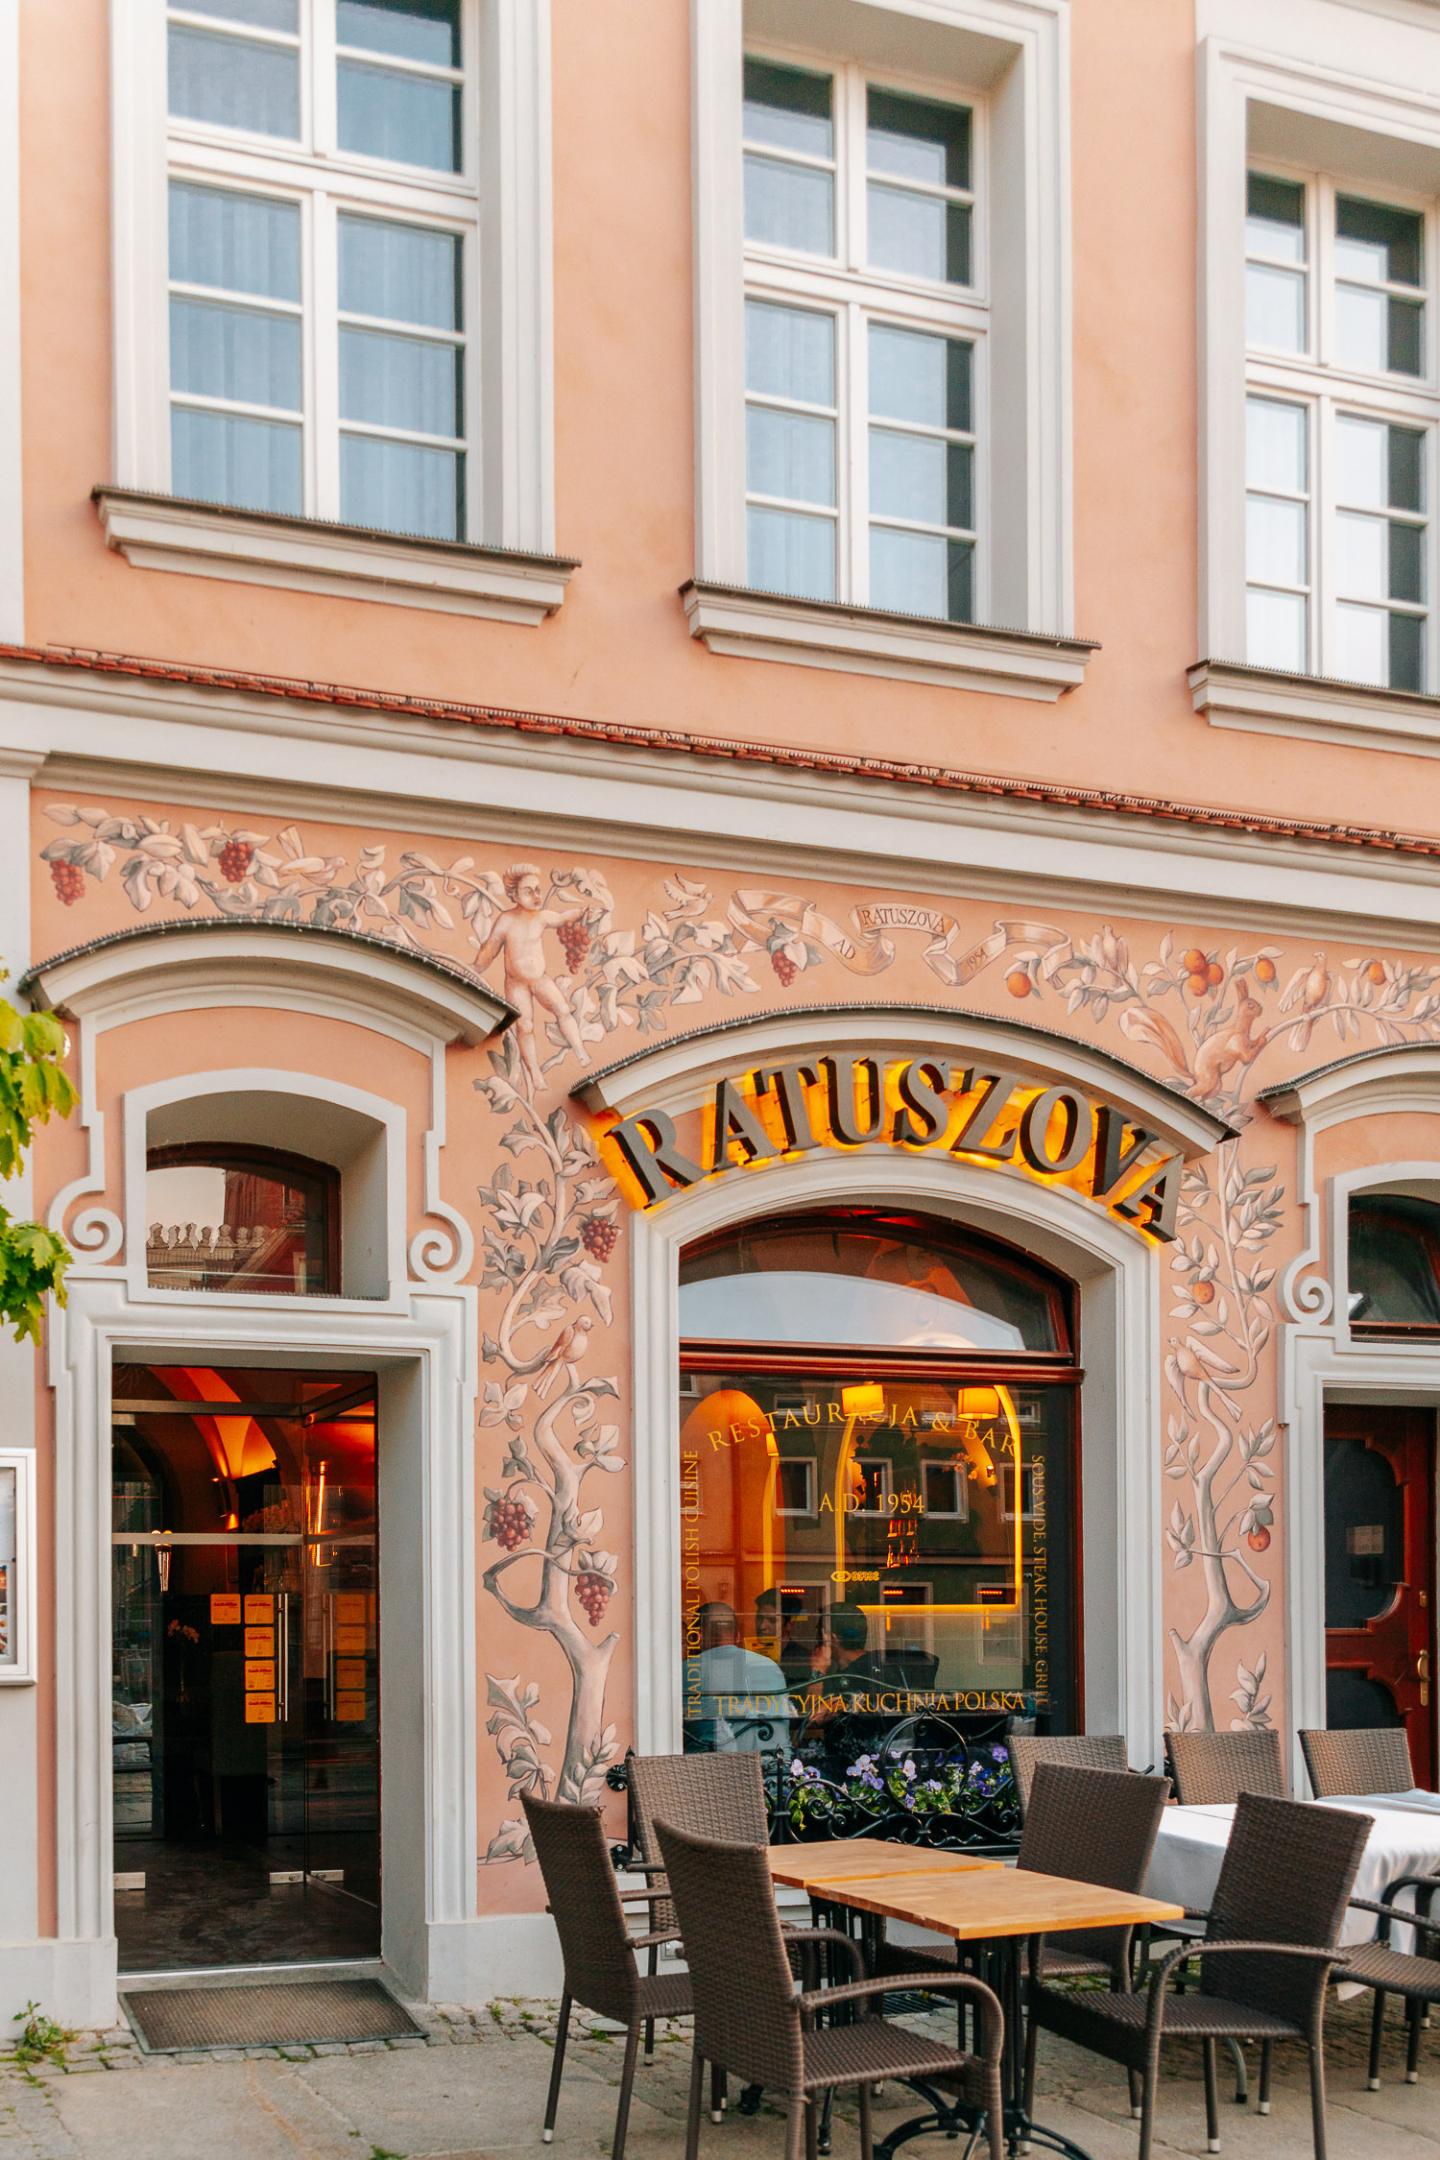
x,y
472,2086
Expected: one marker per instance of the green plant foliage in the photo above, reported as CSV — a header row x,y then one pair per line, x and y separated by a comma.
x,y
40,2039
34,1086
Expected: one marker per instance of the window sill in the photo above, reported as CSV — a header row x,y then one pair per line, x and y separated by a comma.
x,y
163,532
1265,701
735,620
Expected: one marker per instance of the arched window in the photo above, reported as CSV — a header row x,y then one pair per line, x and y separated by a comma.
x,y
1394,1264
222,1217
879,1506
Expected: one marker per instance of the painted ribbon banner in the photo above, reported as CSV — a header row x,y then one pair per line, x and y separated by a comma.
x,y
922,1104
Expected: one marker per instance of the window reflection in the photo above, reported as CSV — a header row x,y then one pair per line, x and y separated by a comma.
x,y
1394,1262
877,1528
239,1218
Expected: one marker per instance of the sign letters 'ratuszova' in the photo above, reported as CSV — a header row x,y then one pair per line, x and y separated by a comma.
x,y
919,1104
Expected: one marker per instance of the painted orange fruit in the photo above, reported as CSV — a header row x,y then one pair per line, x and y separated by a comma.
x,y
1258,1539
1264,969
1018,983
1214,974
1203,1293
1198,984
1375,973
1194,962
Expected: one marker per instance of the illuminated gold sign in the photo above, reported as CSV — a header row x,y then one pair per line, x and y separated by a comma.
x,y
919,1105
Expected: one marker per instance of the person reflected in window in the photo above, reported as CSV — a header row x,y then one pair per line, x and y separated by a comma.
x,y
744,1706
843,1665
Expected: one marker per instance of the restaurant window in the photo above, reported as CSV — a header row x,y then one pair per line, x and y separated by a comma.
x,y
865,325
1340,420
1394,1265
323,222
916,1389
241,1219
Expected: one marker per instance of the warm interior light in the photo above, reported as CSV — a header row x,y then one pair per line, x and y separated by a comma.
x,y
865,1399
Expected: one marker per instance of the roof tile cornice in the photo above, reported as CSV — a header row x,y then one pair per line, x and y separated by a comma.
x,y
680,742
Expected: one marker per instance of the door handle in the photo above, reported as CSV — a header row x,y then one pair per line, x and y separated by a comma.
x,y
1422,1665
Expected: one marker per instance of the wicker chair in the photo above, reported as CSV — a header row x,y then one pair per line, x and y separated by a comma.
x,y
1268,1953
600,1970
749,2018
1414,1977
1213,1768
1374,1761
1076,1751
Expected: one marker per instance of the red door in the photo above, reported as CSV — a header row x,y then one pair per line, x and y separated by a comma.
x,y
1380,1573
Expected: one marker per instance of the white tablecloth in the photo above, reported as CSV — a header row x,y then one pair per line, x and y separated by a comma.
x,y
1405,1840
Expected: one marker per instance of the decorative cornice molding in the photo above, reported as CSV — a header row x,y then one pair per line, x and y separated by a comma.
x,y
427,991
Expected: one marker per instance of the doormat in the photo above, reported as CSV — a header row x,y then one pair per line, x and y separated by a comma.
x,y
298,2013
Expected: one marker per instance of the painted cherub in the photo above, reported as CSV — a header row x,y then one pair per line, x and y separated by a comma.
x,y
518,935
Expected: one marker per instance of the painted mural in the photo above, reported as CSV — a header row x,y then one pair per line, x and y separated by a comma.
x,y
589,970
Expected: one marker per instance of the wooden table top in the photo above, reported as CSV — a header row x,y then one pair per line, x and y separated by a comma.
x,y
803,1867
975,1904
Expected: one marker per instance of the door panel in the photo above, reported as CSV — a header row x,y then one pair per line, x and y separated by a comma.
x,y
1380,1573
247,1739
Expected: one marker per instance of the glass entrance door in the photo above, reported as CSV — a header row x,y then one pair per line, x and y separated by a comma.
x,y
246,1721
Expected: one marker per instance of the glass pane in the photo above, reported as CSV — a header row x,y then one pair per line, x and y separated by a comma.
x,y
1362,329
881,1703
409,119
912,138
1362,644
248,464
875,1283
1407,563
789,206
1377,243
789,353
914,376
789,454
1394,1258
400,382
919,236
401,487
260,14
1275,445
1275,541
235,353
1362,556
921,574
1275,626
1405,337
921,477
242,243
1274,308
790,553
400,272
1407,469
1407,652
231,82
1363,460
425,30
239,1222
788,108
1275,218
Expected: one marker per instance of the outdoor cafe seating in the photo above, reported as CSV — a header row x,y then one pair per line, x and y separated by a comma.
x,y
1288,1895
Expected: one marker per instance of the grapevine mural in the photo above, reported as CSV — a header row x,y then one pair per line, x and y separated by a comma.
x,y
589,975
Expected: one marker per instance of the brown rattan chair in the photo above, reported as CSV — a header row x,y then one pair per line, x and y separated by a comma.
x,y
600,1969
1076,1751
1372,1761
749,2018
1212,1768
1267,1956
1096,1826
1413,1976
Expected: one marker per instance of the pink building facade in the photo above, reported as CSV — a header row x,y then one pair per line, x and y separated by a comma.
x,y
718,724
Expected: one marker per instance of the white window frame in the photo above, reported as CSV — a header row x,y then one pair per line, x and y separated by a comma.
x,y
1325,390
500,203
844,287
1342,111
1008,60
